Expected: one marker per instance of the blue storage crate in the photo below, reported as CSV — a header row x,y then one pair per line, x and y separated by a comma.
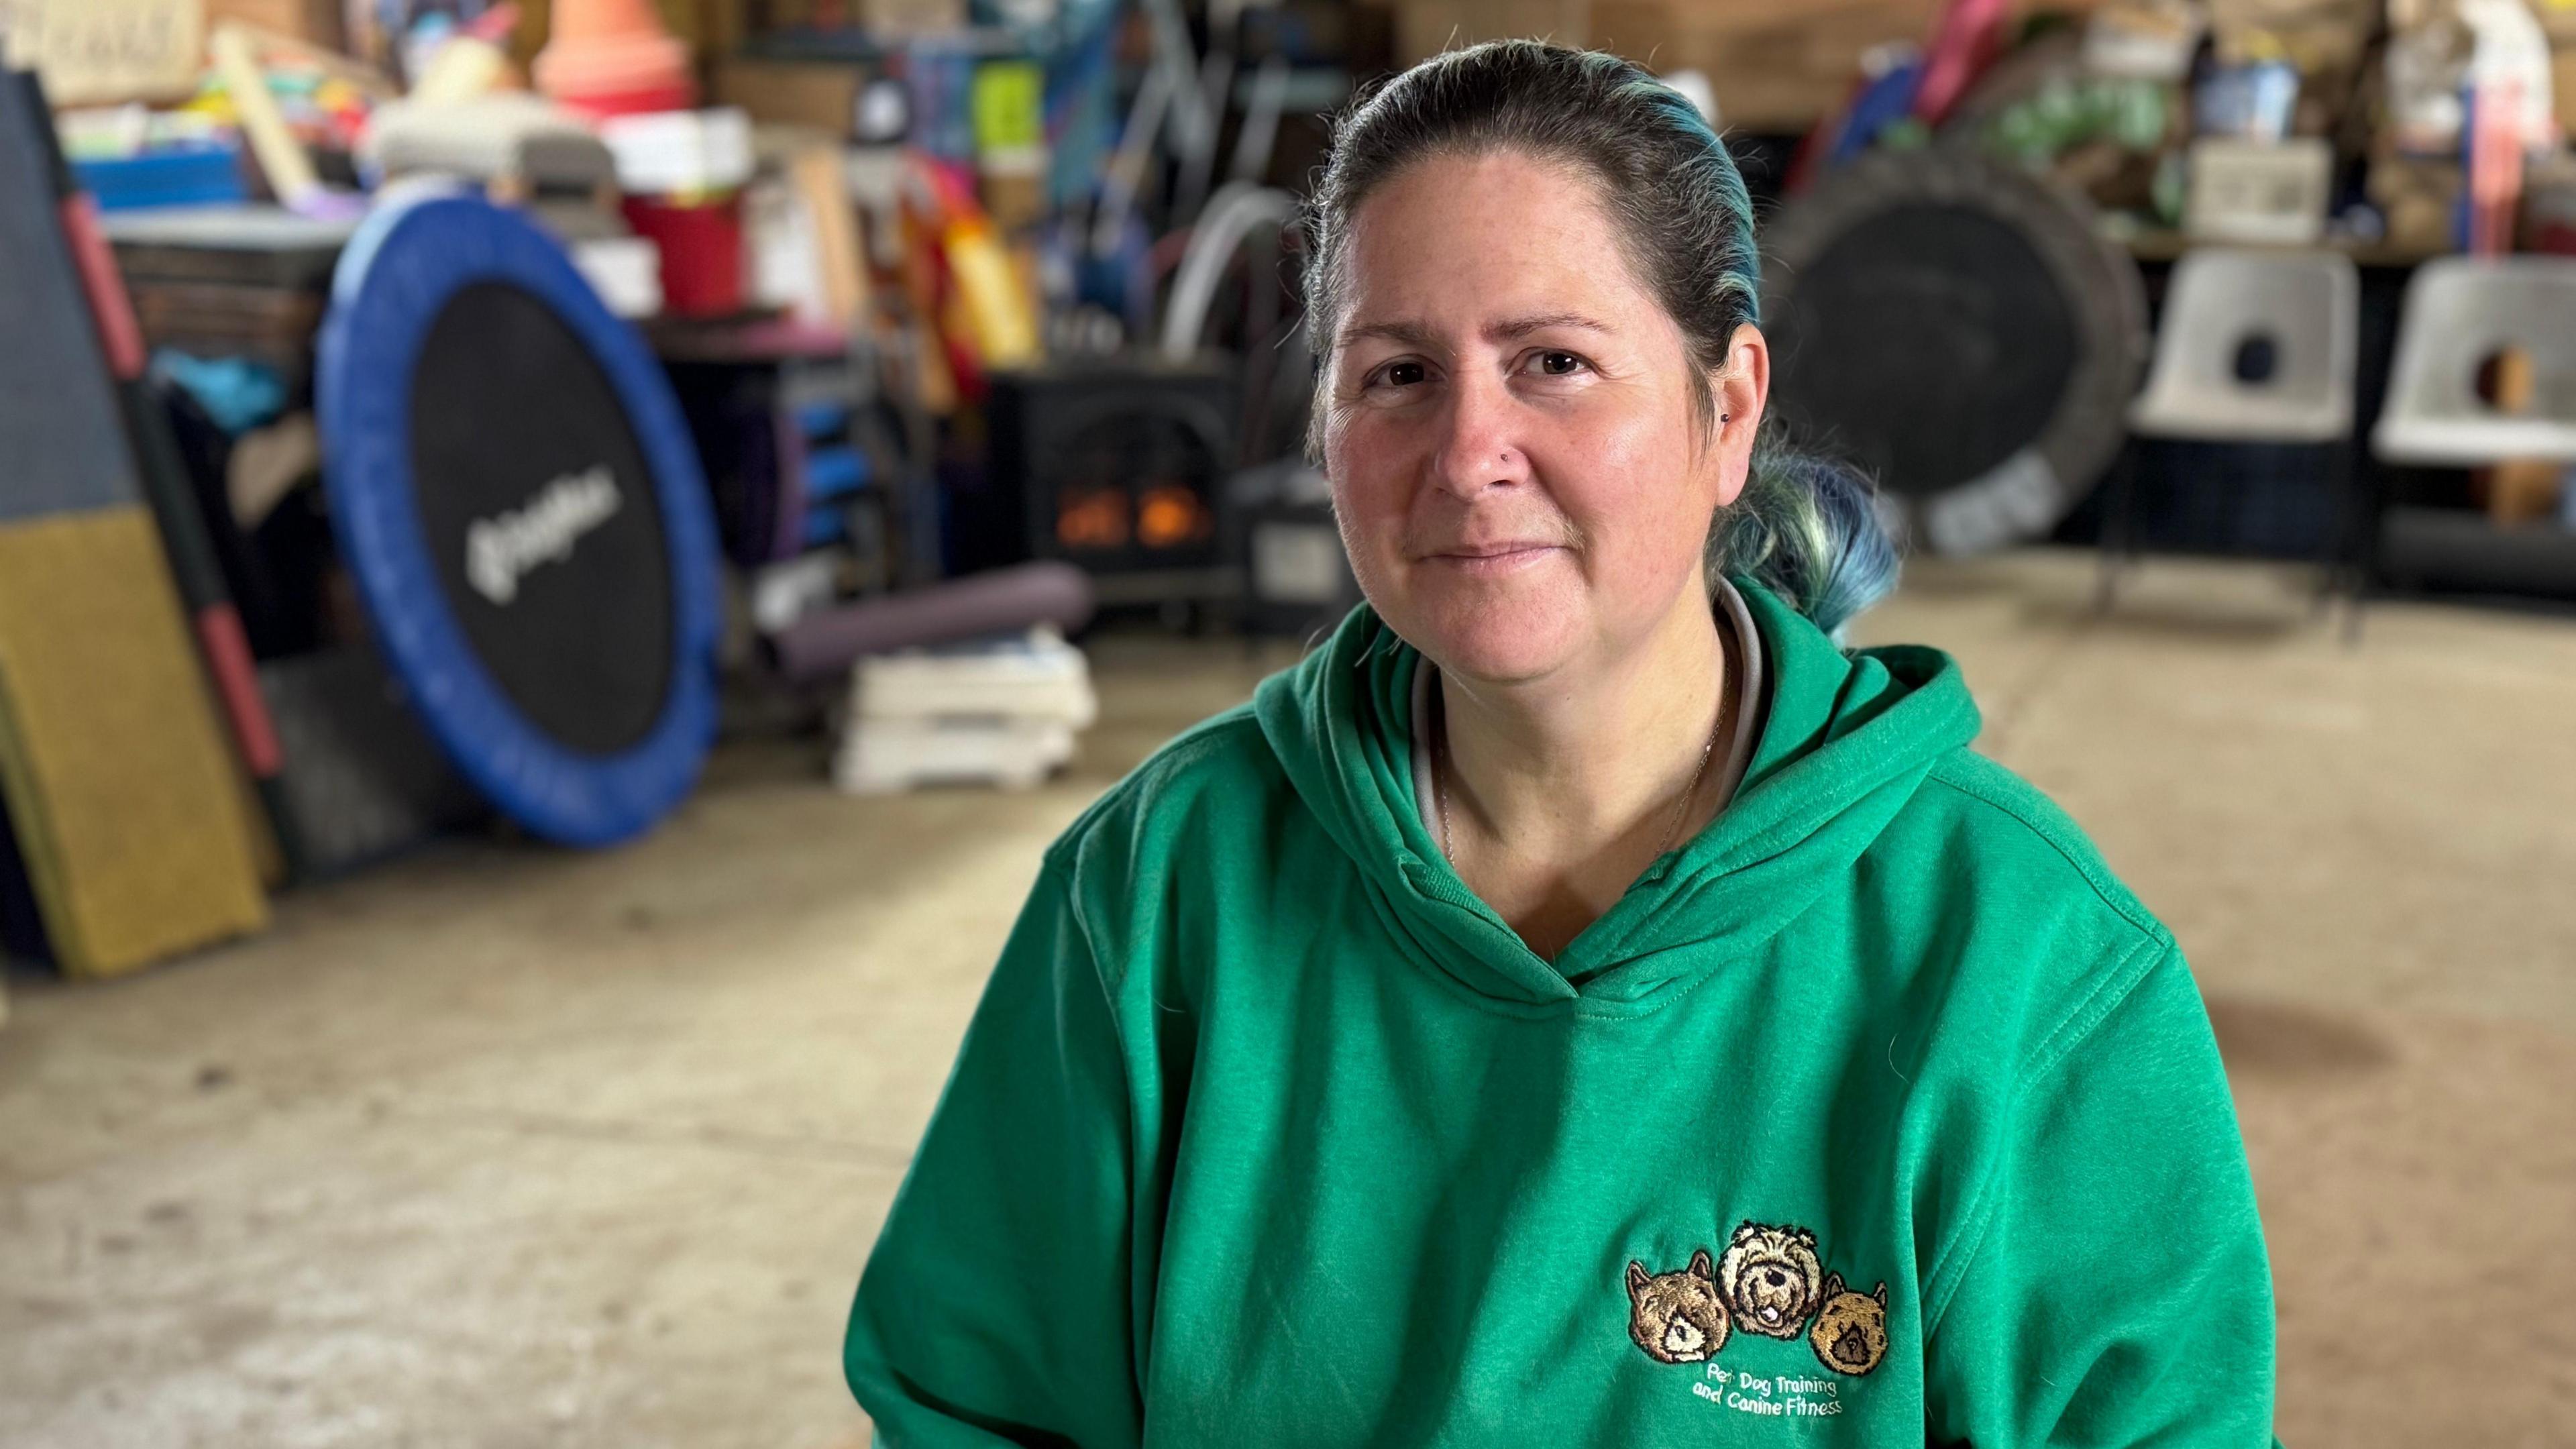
x,y
822,419
825,526
195,173
833,473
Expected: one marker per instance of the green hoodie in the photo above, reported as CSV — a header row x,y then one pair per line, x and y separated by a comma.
x,y
1877,1111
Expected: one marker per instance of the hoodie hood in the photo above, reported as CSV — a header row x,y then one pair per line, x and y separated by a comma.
x,y
1846,741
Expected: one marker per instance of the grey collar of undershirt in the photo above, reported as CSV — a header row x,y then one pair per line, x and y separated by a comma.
x,y
1739,745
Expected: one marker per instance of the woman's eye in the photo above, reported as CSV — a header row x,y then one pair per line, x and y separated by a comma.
x,y
1403,374
1556,364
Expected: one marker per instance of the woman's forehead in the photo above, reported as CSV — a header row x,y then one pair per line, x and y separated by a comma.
x,y
1597,307
1494,247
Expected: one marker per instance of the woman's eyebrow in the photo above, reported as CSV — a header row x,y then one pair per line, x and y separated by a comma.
x,y
1404,331
1512,328
1411,333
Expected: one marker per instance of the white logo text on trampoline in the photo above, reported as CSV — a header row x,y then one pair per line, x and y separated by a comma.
x,y
502,549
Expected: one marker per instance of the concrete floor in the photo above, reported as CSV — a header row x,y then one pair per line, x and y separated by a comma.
x,y
500,1147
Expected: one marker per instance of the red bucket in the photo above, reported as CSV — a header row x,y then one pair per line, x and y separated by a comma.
x,y
702,258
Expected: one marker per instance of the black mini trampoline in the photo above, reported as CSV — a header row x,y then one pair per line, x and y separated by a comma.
x,y
515,492
1957,328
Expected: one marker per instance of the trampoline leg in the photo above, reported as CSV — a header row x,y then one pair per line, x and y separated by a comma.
x,y
2334,561
2361,559
2115,546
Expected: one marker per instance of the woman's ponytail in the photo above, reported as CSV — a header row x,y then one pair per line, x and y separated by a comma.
x,y
1807,528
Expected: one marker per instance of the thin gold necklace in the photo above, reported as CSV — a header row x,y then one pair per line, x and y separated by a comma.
x,y
1672,832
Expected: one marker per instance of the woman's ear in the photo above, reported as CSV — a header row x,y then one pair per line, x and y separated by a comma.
x,y
1741,389
1744,387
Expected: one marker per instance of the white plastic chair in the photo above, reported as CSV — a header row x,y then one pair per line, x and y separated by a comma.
x,y
2223,308
2462,312
2253,346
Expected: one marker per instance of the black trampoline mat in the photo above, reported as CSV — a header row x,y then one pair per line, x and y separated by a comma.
x,y
542,518
1929,343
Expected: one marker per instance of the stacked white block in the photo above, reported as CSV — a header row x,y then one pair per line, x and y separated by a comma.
x,y
1003,712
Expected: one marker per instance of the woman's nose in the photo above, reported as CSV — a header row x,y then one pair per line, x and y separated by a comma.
x,y
1481,446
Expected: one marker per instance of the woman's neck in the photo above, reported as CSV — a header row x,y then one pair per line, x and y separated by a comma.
x,y
1558,792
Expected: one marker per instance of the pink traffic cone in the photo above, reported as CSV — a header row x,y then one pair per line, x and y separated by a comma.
x,y
613,58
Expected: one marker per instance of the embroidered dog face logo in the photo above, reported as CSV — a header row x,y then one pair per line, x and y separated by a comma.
x,y
1771,1279
1676,1317
1850,1335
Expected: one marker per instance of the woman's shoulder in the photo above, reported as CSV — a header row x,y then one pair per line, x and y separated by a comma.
x,y
1218,774
2006,824
2048,940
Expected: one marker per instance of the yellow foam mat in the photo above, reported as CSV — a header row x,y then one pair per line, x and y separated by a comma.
x,y
122,790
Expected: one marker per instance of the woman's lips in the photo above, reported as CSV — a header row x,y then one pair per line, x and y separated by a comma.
x,y
1495,561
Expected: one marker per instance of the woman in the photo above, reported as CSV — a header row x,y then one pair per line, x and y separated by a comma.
x,y
1580,1004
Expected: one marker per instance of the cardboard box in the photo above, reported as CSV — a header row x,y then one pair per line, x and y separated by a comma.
x,y
1424,28
2419,196
2258,191
816,95
2317,36
1775,69
888,19
1645,31
106,52
2557,20
315,22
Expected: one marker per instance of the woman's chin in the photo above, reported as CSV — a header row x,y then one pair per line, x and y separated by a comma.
x,y
1502,642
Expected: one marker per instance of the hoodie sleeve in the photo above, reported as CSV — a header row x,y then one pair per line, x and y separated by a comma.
x,y
995,1308
2116,1291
